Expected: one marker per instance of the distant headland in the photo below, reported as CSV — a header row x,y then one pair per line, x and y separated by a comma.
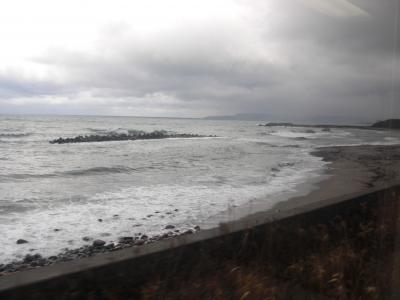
x,y
390,123
387,124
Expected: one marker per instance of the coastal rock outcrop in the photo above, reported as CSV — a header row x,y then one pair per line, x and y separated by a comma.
x,y
390,124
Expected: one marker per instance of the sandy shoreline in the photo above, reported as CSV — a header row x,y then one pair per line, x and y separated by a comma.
x,y
352,169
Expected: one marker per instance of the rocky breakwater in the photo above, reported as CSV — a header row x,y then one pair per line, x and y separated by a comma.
x,y
126,137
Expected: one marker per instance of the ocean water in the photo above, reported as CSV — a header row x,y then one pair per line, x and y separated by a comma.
x,y
54,195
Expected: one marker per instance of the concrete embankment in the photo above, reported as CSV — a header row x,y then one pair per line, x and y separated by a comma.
x,y
273,243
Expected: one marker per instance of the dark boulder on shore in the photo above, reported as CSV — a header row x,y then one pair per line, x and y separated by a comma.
x,y
98,243
390,124
21,241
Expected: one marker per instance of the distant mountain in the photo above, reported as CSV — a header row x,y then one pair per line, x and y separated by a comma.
x,y
263,117
242,117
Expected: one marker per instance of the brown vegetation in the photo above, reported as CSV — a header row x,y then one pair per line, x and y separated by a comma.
x,y
346,257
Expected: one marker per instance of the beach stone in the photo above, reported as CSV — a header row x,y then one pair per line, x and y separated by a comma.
x,y
41,262
23,266
125,239
110,246
37,256
169,227
139,242
100,220
33,264
28,258
144,237
98,243
21,241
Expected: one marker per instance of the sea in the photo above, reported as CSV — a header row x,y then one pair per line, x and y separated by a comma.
x,y
54,195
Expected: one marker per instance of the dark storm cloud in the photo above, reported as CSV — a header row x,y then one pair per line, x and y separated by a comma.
x,y
295,59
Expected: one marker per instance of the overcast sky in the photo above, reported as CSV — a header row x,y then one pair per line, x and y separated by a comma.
x,y
192,58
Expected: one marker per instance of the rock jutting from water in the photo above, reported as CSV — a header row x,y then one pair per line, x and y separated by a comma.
x,y
21,241
140,135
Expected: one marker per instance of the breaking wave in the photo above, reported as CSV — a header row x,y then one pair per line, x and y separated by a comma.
x,y
14,135
83,172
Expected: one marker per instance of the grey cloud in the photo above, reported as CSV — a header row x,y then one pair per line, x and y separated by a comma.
x,y
318,65
14,84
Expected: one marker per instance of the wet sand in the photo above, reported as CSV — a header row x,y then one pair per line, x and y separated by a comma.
x,y
352,169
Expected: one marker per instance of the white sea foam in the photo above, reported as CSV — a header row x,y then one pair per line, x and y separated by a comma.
x,y
144,209
142,186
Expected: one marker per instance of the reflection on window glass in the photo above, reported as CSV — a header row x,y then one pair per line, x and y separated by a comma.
x,y
228,149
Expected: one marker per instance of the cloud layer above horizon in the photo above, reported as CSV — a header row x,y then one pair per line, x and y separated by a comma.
x,y
196,58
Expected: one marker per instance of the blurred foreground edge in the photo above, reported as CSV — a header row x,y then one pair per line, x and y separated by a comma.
x,y
345,247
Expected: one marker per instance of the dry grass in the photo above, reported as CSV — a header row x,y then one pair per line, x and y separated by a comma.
x,y
347,257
